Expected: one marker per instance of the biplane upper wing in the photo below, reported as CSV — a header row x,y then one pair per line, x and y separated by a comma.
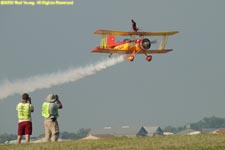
x,y
123,33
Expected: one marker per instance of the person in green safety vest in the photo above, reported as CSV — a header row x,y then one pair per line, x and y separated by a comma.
x,y
24,109
50,113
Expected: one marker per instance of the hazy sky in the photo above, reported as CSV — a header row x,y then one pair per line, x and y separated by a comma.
x,y
174,89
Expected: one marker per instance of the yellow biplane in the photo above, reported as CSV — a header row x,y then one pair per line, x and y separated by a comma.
x,y
133,45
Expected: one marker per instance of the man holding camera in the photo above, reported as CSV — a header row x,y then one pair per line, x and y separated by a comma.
x,y
24,109
50,113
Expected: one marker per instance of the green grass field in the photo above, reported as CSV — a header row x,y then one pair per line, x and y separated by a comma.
x,y
178,142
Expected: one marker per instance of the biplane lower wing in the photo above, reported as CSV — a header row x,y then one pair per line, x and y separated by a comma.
x,y
112,51
155,51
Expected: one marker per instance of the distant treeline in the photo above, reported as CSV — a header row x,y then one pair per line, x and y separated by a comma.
x,y
7,137
207,122
64,135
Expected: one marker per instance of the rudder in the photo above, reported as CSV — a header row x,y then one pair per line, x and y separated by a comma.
x,y
111,41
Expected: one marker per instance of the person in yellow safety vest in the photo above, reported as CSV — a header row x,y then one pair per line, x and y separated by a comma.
x,y
24,109
50,113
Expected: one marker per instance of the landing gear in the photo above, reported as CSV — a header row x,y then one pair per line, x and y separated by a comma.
x,y
131,58
149,58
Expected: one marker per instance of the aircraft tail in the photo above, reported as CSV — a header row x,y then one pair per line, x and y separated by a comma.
x,y
111,40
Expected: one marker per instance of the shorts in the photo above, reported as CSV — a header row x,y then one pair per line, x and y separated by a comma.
x,y
25,128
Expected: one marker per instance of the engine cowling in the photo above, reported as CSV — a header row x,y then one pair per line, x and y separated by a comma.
x,y
145,43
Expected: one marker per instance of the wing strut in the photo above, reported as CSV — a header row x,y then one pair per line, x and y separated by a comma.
x,y
103,41
163,42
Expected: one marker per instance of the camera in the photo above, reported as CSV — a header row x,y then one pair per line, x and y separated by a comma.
x,y
53,118
29,99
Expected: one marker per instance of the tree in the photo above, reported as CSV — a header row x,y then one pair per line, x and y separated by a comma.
x,y
209,122
7,137
173,129
80,134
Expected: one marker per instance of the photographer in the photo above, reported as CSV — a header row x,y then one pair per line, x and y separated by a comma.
x,y
24,109
50,113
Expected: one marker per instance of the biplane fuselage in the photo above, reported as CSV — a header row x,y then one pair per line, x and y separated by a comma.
x,y
133,45
127,46
124,47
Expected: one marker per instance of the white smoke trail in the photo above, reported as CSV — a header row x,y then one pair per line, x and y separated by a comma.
x,y
49,80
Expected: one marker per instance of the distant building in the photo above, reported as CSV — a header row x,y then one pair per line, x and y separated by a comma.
x,y
168,133
90,137
208,130
189,132
150,131
115,132
126,131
